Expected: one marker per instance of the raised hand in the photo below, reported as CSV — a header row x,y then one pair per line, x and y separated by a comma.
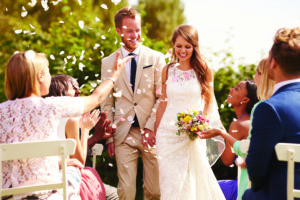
x,y
89,120
119,65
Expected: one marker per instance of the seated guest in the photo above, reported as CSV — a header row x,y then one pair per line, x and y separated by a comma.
x,y
242,98
91,186
28,117
276,120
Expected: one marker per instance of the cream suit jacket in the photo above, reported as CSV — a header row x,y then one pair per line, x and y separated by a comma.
x,y
142,102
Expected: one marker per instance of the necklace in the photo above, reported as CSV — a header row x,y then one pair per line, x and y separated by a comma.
x,y
243,115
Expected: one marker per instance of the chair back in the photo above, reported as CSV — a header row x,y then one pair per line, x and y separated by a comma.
x,y
291,153
23,150
96,151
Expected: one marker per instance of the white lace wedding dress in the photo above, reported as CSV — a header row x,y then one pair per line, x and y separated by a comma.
x,y
184,165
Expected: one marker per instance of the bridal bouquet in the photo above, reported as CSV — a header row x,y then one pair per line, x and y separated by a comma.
x,y
190,123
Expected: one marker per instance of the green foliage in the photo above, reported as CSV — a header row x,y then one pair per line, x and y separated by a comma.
x,y
161,17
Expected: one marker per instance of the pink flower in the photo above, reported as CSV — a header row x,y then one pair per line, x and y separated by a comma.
x,y
174,78
169,51
187,75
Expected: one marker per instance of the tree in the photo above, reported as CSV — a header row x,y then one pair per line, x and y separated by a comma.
x,y
161,17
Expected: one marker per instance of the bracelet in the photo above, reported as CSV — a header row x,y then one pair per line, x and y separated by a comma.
x,y
109,78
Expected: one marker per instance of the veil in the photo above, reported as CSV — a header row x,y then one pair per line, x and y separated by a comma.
x,y
215,146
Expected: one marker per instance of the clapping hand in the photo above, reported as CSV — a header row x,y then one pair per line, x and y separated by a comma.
x,y
89,120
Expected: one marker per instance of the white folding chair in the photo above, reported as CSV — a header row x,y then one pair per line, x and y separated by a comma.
x,y
291,153
96,151
22,150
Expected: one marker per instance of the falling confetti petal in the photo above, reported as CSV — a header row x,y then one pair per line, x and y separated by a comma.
x,y
96,46
229,105
45,4
79,1
114,126
97,19
103,37
61,53
6,9
66,61
110,164
118,94
56,2
18,31
116,1
147,135
130,118
74,60
52,57
81,24
122,119
234,119
142,131
32,3
61,22
86,77
81,56
125,27
81,66
24,13
234,131
69,57
25,32
94,84
129,138
222,105
116,41
138,91
104,6
102,53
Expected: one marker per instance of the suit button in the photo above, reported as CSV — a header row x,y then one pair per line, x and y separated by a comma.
x,y
135,104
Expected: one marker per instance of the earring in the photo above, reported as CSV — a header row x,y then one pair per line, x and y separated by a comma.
x,y
241,103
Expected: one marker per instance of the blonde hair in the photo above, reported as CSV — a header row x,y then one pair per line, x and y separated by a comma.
x,y
266,86
190,34
21,74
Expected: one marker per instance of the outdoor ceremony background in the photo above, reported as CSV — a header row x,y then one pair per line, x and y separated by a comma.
x,y
75,35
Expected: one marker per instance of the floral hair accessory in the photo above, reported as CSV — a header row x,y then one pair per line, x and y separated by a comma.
x,y
191,123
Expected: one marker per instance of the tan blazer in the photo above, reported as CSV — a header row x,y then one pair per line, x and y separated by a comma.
x,y
143,102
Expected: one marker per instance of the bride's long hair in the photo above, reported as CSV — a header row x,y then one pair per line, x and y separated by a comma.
x,y
190,34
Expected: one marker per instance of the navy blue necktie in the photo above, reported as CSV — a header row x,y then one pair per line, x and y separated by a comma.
x,y
132,71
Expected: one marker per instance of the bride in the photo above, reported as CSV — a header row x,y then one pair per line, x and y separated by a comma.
x,y
187,84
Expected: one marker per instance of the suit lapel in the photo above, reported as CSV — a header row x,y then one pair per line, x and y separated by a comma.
x,y
125,77
139,69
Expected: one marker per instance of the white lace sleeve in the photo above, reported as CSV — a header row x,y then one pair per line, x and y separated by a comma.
x,y
66,106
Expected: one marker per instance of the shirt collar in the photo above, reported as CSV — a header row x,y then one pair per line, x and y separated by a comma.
x,y
125,52
283,83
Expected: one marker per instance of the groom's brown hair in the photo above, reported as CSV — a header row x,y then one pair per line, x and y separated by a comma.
x,y
125,12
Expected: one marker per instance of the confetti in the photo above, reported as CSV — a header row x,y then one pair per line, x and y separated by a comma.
x,y
234,119
61,53
125,27
69,57
102,53
18,31
142,131
110,164
52,57
114,126
79,1
81,56
56,2
24,13
222,105
138,91
122,35
45,4
103,37
96,46
129,138
99,81
116,1
158,92
81,66
157,69
229,105
91,90
117,94
74,60
61,22
234,131
25,32
97,19
81,24
96,75
94,85
104,6
147,135
122,119
130,118
32,3
86,77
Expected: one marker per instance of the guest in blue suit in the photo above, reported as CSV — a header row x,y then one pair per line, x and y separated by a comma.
x,y
276,120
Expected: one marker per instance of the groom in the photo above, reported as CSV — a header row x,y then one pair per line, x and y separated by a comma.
x,y
132,107
276,120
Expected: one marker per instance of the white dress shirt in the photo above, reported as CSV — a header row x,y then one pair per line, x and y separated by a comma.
x,y
283,83
128,64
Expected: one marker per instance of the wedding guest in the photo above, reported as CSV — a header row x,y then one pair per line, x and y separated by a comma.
x,y
276,120
242,98
264,91
28,117
187,84
134,110
91,186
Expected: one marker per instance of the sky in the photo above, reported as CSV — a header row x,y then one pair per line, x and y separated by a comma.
x,y
246,27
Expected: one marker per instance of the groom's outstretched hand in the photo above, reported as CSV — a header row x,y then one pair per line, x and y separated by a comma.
x,y
149,138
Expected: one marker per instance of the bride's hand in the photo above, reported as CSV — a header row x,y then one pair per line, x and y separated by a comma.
x,y
209,133
119,65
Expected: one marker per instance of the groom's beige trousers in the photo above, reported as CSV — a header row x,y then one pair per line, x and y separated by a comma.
x,y
127,154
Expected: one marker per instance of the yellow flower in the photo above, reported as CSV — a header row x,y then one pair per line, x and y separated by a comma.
x,y
187,119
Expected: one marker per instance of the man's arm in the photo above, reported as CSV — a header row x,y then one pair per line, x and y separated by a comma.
x,y
157,86
266,132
